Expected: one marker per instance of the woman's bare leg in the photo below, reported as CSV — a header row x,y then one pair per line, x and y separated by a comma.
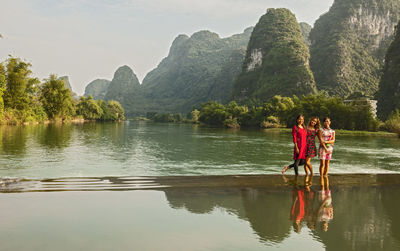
x,y
310,166
285,168
306,165
321,167
326,167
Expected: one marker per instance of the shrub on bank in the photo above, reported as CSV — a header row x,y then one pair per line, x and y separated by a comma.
x,y
392,124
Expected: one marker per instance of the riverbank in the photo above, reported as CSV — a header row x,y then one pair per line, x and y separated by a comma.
x,y
58,121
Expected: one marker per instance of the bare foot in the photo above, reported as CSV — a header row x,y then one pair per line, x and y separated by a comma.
x,y
285,169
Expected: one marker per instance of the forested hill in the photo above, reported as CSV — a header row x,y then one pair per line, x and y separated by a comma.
x,y
197,69
389,88
123,87
97,88
348,45
277,60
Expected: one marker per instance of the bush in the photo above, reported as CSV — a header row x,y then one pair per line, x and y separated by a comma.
x,y
231,123
392,124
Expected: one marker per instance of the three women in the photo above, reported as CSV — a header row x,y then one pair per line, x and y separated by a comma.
x,y
305,148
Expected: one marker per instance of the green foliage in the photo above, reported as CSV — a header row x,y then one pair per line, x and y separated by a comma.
x,y
111,111
88,108
167,117
56,99
284,110
195,114
280,107
348,45
2,89
213,113
389,88
26,100
276,61
164,117
20,87
270,122
392,124
115,110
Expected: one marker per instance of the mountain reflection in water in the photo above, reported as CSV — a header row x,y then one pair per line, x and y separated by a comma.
x,y
365,217
339,212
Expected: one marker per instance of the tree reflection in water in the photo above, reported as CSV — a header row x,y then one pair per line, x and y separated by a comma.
x,y
365,216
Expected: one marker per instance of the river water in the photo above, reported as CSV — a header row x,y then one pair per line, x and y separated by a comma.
x,y
148,149
146,186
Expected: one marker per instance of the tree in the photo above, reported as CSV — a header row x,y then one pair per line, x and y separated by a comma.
x,y
213,113
88,108
56,99
2,88
20,87
195,115
115,110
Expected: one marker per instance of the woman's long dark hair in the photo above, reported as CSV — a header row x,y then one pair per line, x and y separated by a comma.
x,y
297,118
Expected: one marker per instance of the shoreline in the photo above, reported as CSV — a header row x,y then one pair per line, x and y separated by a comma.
x,y
279,129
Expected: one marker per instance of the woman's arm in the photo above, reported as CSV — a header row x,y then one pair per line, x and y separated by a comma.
x,y
294,134
321,141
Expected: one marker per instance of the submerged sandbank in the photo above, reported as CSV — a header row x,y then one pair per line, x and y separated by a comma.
x,y
165,182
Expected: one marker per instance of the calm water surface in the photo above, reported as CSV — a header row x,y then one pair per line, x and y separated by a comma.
x,y
146,149
204,213
144,186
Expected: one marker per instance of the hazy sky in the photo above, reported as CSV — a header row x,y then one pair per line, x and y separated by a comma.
x,y
89,39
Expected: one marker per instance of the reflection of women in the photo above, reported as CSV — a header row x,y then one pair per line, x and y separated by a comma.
x,y
309,203
298,209
325,210
299,134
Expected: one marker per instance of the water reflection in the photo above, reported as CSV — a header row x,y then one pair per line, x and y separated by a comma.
x,y
13,139
325,208
363,218
342,212
55,135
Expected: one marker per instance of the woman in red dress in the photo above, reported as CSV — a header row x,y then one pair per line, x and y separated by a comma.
x,y
299,134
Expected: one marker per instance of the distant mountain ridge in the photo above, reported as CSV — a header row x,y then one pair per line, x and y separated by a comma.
x,y
348,45
197,69
344,52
